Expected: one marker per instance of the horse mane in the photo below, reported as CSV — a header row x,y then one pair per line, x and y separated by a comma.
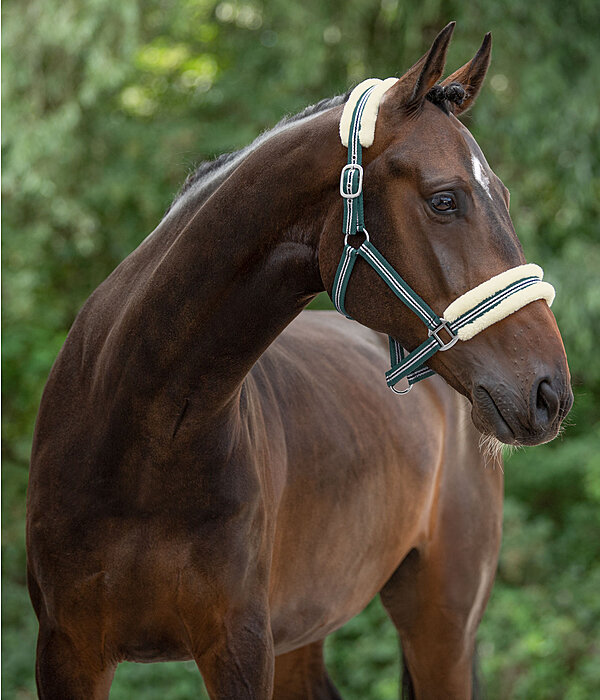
x,y
211,167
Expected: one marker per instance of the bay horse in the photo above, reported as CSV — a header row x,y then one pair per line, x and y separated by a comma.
x,y
217,476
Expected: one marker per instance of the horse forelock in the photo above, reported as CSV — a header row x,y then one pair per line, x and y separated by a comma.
x,y
444,96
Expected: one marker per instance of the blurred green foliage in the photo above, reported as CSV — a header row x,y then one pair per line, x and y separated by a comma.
x,y
106,108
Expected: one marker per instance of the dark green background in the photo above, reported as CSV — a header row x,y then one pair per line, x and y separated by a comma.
x,y
107,106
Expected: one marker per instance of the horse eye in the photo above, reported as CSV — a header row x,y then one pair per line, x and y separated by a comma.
x,y
443,202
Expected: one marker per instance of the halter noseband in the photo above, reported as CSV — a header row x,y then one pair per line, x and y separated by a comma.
x,y
468,315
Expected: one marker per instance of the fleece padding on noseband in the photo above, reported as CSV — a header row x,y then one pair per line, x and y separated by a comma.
x,y
369,116
487,289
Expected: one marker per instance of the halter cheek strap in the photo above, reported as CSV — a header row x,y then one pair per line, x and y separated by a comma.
x,y
468,315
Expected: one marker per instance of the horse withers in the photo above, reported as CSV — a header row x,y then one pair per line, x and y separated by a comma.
x,y
216,476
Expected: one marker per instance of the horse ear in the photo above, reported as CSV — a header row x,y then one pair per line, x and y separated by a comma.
x,y
472,75
414,85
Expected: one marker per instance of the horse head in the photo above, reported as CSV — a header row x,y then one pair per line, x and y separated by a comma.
x,y
440,215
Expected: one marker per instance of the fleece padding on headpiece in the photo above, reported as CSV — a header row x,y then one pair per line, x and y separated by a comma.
x,y
487,289
369,117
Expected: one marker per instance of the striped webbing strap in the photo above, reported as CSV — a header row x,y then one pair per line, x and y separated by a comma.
x,y
465,317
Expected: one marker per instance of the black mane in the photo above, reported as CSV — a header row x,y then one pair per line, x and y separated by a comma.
x,y
211,166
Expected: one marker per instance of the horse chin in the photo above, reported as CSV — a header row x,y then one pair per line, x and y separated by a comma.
x,y
488,418
492,449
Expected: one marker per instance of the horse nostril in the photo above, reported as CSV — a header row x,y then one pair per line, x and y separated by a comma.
x,y
547,404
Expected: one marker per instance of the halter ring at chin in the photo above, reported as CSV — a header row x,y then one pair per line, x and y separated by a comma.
x,y
409,386
471,313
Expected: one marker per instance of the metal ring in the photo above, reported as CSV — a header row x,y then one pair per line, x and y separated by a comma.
x,y
367,238
402,391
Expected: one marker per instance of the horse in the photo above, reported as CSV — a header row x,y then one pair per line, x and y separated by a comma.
x,y
218,475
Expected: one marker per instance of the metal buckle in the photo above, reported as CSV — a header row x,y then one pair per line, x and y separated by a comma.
x,y
402,391
352,195
434,332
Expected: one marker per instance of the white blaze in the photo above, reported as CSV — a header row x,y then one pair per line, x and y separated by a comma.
x,y
480,175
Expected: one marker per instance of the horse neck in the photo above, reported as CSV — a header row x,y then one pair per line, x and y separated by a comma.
x,y
245,262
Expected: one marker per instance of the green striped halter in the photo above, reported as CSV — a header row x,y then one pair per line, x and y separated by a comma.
x,y
468,315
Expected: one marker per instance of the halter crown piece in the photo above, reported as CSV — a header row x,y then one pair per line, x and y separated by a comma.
x,y
468,315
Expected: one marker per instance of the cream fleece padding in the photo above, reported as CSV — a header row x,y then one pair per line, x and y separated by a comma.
x,y
540,290
488,288
483,291
369,116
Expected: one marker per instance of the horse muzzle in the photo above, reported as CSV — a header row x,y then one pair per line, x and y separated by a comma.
x,y
517,417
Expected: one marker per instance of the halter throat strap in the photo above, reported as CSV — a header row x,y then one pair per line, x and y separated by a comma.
x,y
469,314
